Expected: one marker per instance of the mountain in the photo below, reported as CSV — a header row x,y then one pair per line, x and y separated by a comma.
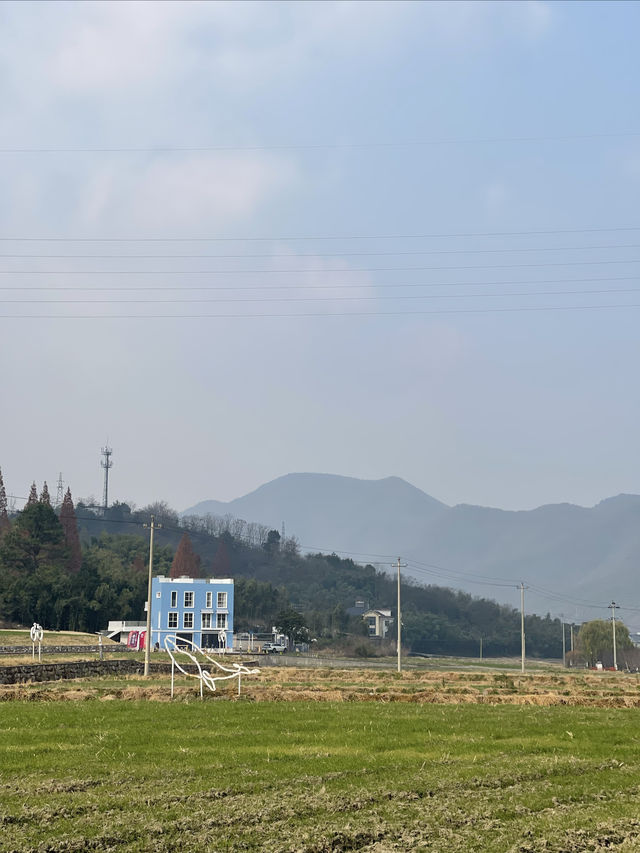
x,y
567,555
328,512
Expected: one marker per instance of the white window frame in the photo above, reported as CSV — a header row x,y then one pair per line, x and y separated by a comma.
x,y
222,601
206,621
174,597
221,621
188,597
187,621
172,617
209,601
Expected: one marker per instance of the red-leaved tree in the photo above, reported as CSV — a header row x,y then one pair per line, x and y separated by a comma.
x,y
185,561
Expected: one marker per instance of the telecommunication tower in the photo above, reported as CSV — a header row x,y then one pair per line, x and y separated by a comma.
x,y
60,490
106,464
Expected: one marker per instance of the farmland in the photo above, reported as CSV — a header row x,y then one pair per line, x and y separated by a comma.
x,y
324,760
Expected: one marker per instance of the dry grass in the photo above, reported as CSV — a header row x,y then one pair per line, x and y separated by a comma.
x,y
558,687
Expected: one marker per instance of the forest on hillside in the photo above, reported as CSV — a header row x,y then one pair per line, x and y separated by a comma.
x,y
78,567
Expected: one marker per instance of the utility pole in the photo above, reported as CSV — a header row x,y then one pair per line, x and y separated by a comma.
x,y
572,636
399,566
147,645
480,646
522,641
106,464
612,608
564,648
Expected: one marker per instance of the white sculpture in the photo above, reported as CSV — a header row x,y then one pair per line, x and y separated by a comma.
x,y
176,646
36,633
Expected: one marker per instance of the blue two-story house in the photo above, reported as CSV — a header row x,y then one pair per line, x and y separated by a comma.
x,y
195,609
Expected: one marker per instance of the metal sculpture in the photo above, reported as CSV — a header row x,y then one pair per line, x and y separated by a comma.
x,y
175,646
36,633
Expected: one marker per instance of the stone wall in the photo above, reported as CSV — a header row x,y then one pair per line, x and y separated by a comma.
x,y
62,650
71,669
82,669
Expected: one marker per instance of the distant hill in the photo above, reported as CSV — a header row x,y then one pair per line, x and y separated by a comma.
x,y
587,554
326,511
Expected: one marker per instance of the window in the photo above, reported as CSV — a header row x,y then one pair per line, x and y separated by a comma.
x,y
206,620
222,601
173,620
174,597
209,602
188,599
221,620
188,620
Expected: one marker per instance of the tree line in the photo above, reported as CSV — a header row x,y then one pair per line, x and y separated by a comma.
x,y
78,567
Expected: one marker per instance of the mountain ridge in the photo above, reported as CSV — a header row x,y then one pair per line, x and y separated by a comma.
x,y
578,552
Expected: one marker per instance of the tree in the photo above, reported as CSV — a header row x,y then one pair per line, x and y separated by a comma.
x,y
71,537
221,566
45,498
291,623
5,524
186,561
33,495
595,640
272,545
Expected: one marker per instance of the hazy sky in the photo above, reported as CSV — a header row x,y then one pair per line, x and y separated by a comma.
x,y
476,159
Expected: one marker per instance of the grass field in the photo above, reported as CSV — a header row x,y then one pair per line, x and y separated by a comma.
x,y
316,776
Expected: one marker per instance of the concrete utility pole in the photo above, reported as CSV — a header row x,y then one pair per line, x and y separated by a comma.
x,y
572,636
147,644
564,646
399,566
612,608
522,625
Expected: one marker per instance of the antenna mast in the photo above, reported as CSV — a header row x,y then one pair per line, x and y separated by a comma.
x,y
60,491
106,464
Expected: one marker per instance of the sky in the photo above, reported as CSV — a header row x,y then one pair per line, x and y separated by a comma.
x,y
241,240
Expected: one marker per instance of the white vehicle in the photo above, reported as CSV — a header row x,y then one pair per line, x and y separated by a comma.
x,y
274,648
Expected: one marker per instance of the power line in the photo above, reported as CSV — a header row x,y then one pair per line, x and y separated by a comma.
x,y
292,238
290,299
335,314
300,286
324,254
315,146
325,271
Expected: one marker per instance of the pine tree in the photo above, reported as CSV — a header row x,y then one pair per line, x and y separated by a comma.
x,y
5,524
44,497
186,561
71,536
33,495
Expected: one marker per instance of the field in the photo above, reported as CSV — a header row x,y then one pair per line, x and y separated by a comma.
x,y
352,760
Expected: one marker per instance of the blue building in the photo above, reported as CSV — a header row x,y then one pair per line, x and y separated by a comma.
x,y
195,609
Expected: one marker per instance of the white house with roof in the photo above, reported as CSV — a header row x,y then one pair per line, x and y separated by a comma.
x,y
378,622
196,609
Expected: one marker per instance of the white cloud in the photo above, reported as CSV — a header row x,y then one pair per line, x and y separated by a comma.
x,y
190,192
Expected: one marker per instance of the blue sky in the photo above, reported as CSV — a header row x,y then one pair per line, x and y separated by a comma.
x,y
316,120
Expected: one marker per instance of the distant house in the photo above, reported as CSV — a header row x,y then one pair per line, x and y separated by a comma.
x,y
378,621
358,609
196,609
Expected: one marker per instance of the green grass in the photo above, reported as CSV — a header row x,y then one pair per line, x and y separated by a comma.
x,y
15,637
226,776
